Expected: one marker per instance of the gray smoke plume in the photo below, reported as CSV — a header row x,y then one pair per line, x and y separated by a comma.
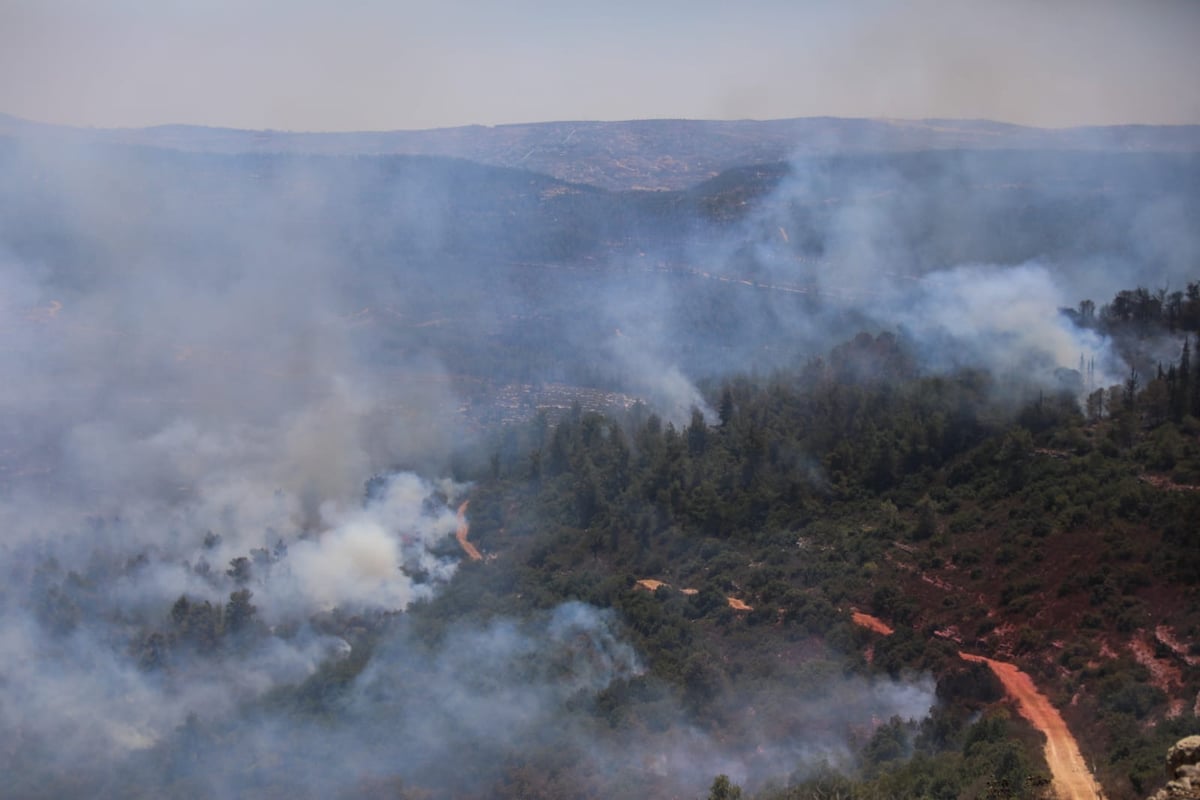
x,y
1007,318
192,410
483,706
969,254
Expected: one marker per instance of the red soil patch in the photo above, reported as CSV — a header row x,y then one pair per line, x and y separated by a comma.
x,y
1164,675
651,584
1164,634
871,623
1166,484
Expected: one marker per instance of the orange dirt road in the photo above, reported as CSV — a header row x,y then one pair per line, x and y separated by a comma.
x,y
461,535
1072,780
872,623
651,584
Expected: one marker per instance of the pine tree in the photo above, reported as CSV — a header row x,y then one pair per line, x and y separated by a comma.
x,y
1131,388
1182,394
239,611
725,411
1190,379
1176,394
724,789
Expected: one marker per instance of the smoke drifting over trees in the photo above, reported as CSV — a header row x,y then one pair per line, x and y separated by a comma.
x,y
206,358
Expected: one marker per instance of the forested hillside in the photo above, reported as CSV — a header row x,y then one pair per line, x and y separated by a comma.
x,y
665,611
264,411
1028,531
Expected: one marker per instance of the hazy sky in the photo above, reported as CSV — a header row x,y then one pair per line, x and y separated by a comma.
x,y
390,64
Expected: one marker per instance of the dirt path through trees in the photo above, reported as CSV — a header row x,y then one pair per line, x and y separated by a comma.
x,y
461,534
1072,780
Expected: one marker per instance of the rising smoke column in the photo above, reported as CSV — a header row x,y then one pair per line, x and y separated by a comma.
x,y
185,390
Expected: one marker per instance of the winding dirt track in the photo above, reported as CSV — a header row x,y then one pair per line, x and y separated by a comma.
x,y
461,534
1072,780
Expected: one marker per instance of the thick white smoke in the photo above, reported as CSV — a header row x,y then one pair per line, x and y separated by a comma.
x,y
1006,318
367,556
184,391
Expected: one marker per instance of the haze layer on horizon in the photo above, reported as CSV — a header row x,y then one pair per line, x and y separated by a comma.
x,y
374,65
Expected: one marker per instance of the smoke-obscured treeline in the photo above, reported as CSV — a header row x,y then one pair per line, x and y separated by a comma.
x,y
811,494
240,422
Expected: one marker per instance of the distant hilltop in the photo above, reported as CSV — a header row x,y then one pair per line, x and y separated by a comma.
x,y
658,154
